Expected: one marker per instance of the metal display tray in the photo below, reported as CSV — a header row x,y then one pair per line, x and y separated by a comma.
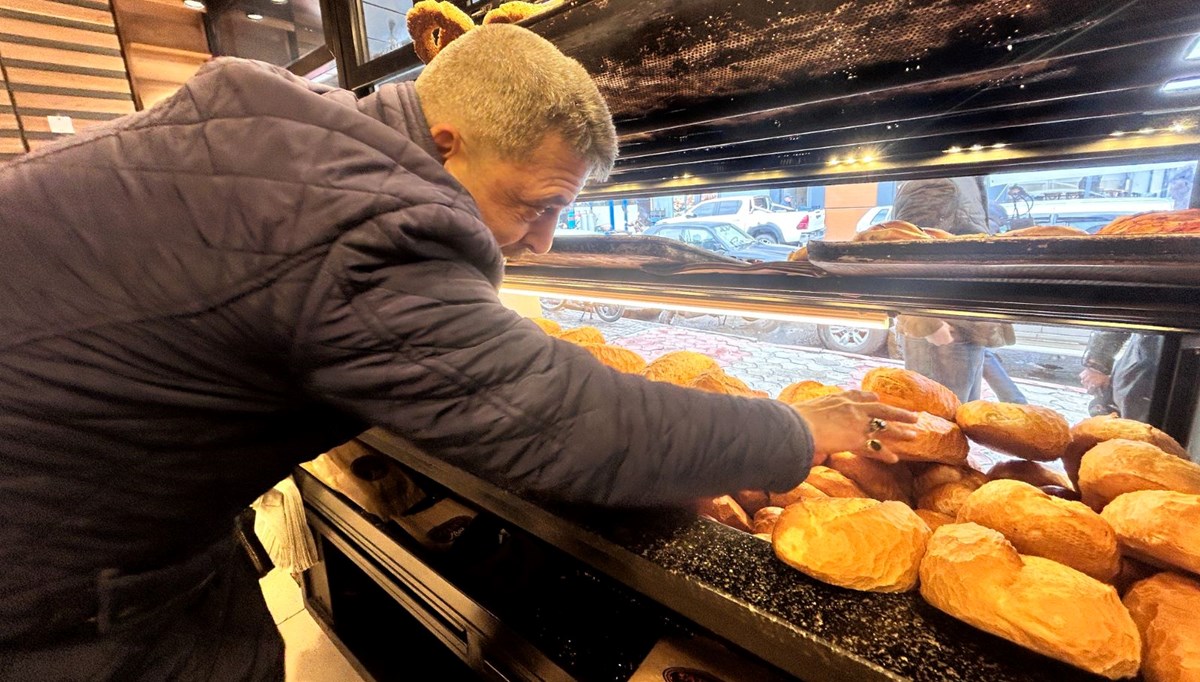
x,y
652,254
1157,259
731,584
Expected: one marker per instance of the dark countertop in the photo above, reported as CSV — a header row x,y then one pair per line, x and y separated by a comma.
x,y
730,583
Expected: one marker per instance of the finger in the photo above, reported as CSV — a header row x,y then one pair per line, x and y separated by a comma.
x,y
890,413
898,432
860,396
882,455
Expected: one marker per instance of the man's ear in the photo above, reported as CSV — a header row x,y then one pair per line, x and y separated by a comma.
x,y
448,140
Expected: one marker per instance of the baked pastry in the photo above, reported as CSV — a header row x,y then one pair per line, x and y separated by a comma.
x,y
765,519
717,381
1121,466
549,326
1027,431
935,475
878,480
892,231
858,544
911,391
1034,474
1160,527
803,491
1094,430
513,12
582,335
1165,609
1045,231
727,511
806,390
620,359
936,233
752,500
680,367
433,25
947,498
800,255
975,575
1038,524
833,483
1186,221
934,519
937,440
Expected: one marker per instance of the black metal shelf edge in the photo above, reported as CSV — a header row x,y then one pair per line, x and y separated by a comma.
x,y
730,583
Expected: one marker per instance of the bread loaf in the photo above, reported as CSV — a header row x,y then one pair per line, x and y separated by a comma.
x,y
1044,231
1027,431
975,575
726,510
833,483
1030,472
1160,527
1186,221
801,492
582,335
911,391
934,519
935,475
891,231
1115,467
680,367
549,326
765,519
1092,431
752,500
947,498
620,359
1166,609
936,233
877,479
1040,525
858,544
717,381
937,440
800,255
806,390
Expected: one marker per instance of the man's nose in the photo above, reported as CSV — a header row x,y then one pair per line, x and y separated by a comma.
x,y
539,240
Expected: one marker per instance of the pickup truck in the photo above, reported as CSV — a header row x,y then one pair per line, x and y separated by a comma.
x,y
760,218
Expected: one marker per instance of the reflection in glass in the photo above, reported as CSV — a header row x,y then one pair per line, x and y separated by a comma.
x,y
274,32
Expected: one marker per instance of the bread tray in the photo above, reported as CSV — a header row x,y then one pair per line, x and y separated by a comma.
x,y
1158,259
651,254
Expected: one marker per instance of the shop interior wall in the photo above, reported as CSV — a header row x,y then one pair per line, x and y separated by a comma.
x,y
164,44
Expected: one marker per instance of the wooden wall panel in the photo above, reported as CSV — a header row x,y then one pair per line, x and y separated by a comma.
x,y
61,58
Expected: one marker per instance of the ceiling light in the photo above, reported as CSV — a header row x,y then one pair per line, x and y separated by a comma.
x,y
279,2
1180,126
1118,133
851,160
1194,53
834,161
868,158
954,150
254,16
1146,131
194,4
1182,84
976,147
999,145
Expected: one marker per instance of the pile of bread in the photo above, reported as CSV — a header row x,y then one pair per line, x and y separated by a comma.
x,y
1184,222
1022,551
1013,551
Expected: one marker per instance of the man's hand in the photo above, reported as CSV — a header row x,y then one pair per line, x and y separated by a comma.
x,y
1093,379
943,336
842,423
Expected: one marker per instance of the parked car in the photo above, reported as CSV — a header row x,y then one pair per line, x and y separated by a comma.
x,y
759,218
1088,214
873,216
721,237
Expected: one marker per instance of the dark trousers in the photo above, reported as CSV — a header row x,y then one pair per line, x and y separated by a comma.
x,y
210,624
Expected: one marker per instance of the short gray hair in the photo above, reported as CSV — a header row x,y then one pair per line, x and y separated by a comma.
x,y
510,87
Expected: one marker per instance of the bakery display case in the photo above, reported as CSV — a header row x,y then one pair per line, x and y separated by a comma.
x,y
803,99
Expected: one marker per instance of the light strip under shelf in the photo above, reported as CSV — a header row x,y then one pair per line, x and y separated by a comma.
x,y
768,311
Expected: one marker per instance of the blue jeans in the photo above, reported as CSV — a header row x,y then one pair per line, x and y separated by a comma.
x,y
958,366
996,377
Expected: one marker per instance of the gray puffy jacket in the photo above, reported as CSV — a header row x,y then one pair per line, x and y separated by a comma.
x,y
197,297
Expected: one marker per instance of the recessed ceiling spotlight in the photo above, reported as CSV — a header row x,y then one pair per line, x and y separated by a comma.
x,y
1146,131
254,16
976,147
954,150
999,145
1182,84
279,2
1118,133
194,4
